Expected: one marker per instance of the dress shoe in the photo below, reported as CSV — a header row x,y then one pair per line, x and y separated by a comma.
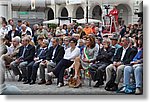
x,y
20,78
26,82
32,82
98,84
49,82
42,82
24,79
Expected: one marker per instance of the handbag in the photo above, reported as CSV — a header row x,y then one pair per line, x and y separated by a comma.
x,y
74,83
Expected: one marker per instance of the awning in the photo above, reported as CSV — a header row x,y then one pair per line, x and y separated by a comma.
x,y
89,21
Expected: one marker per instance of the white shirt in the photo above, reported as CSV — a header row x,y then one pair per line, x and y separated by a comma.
x,y
54,52
30,30
4,30
123,53
72,55
63,31
10,27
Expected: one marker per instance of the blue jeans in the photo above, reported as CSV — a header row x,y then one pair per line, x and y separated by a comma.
x,y
137,70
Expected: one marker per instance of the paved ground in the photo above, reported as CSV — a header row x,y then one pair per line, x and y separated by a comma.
x,y
53,89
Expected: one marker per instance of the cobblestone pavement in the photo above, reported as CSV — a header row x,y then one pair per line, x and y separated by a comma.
x,y
53,89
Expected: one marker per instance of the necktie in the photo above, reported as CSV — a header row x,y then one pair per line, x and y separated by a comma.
x,y
24,51
41,52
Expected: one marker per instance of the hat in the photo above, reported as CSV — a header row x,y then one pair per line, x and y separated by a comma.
x,y
114,37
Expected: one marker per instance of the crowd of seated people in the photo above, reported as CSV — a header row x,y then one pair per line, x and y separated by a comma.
x,y
30,49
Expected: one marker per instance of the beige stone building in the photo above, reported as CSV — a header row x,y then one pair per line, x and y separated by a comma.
x,y
51,9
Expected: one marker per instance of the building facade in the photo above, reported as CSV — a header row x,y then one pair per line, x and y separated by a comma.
x,y
51,9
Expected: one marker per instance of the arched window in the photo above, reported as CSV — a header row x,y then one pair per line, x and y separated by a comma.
x,y
79,13
97,12
64,12
50,14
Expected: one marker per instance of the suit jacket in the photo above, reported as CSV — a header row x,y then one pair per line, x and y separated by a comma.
x,y
129,55
41,55
15,34
28,33
29,53
59,54
105,56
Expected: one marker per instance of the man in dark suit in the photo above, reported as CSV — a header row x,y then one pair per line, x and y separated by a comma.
x,y
103,59
24,57
124,55
13,33
54,55
34,65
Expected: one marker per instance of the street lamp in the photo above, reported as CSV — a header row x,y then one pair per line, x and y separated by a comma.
x,y
87,11
32,4
107,7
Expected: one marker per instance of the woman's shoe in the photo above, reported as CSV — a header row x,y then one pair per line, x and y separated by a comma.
x,y
78,84
75,77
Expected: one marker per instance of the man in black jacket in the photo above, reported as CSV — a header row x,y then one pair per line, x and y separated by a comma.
x,y
123,57
103,59
24,57
13,33
54,55
34,65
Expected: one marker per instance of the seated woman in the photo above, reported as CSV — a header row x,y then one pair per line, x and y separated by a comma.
x,y
88,55
103,59
69,57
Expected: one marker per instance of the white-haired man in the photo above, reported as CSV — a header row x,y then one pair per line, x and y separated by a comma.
x,y
12,51
24,30
103,59
24,57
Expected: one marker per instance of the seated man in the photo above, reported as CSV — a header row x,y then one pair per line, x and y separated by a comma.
x,y
103,59
12,51
24,57
34,65
54,55
136,67
123,57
